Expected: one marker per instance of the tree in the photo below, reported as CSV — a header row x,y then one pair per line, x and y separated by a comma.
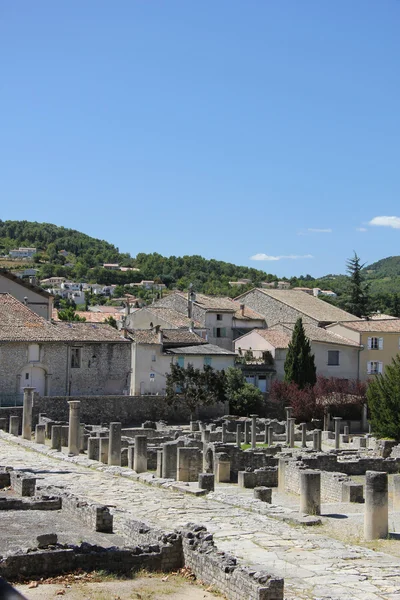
x,y
300,364
244,398
111,321
194,387
358,301
69,314
383,396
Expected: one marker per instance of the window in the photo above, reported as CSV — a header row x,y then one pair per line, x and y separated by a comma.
x,y
75,358
219,332
181,361
375,343
207,361
333,358
219,317
153,358
374,367
33,353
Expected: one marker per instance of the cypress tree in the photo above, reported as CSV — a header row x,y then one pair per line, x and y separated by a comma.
x,y
299,364
383,397
358,293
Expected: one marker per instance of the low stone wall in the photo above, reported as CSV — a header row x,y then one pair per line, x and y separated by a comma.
x,y
223,571
334,485
95,516
128,410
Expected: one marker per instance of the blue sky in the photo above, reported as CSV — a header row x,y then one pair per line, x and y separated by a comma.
x,y
231,129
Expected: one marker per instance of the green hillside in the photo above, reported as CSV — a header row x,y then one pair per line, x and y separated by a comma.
x,y
86,255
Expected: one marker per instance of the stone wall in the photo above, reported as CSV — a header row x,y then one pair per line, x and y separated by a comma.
x,y
129,410
223,571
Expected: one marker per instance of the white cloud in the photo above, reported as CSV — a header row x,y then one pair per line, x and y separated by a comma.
x,y
288,257
361,229
316,230
393,222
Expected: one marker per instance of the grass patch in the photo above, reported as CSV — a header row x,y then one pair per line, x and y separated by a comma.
x,y
247,446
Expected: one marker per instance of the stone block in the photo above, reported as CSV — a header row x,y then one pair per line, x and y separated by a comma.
x,y
46,539
263,493
247,479
207,481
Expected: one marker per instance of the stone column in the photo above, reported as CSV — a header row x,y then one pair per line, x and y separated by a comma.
x,y
140,455
56,438
239,435
376,505
74,427
310,492
223,436
114,449
253,431
291,432
346,430
189,464
169,461
288,416
396,493
103,449
337,432
14,425
315,440
319,440
270,435
64,435
281,474
40,434
247,432
205,436
364,418
266,425
82,440
304,435
27,413
223,468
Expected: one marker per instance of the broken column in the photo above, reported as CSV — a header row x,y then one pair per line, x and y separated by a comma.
x,y
337,432
206,481
169,460
74,430
205,436
247,432
310,492
364,418
270,435
223,436
27,413
114,448
222,468
304,435
93,448
140,455
14,425
376,505
56,437
288,410
189,464
253,431
40,434
291,432
239,435
103,449
396,493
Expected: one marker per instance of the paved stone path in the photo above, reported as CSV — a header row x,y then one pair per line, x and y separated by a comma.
x,y
314,566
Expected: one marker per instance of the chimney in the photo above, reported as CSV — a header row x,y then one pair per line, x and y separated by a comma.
x,y
191,326
26,300
158,331
242,309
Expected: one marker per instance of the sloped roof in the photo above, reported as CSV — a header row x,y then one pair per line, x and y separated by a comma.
x,y
20,324
316,334
172,316
91,317
169,336
278,339
309,305
376,325
203,350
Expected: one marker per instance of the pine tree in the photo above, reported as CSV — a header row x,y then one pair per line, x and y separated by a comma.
x,y
383,397
358,300
299,364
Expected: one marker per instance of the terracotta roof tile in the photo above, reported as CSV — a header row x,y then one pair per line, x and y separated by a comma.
x,y
376,325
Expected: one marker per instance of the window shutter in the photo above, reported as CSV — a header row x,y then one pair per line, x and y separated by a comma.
x,y
369,368
223,332
369,343
380,344
214,332
380,367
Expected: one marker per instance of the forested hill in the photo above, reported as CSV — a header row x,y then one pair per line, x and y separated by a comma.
x,y
86,255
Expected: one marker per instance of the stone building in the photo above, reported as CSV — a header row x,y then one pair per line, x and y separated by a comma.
x,y
166,318
154,350
223,318
286,306
60,359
